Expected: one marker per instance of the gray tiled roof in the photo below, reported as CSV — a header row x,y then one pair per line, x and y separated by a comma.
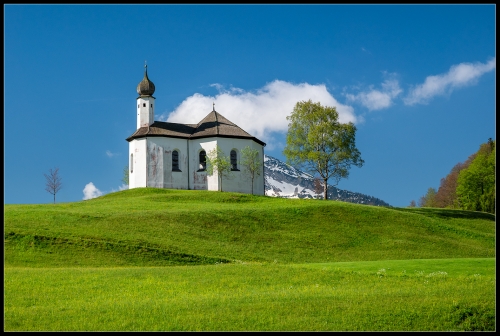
x,y
160,128
214,124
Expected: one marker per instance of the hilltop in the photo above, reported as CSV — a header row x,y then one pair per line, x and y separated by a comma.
x,y
148,226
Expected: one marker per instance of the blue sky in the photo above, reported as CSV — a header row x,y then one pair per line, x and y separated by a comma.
x,y
418,81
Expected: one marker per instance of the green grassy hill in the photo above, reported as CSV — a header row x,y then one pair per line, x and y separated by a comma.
x,y
156,227
265,264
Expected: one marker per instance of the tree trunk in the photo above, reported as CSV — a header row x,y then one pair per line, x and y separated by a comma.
x,y
325,189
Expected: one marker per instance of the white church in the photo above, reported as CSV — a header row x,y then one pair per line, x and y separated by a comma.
x,y
171,155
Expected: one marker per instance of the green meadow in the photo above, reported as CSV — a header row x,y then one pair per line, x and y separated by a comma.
x,y
177,260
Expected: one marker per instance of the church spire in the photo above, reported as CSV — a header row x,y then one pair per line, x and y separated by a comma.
x,y
145,87
216,119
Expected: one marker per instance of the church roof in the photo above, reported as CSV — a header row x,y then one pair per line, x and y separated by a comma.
x,y
213,125
160,128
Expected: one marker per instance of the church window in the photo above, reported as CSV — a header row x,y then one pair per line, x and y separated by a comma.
x,y
151,105
131,163
234,160
144,105
203,160
175,161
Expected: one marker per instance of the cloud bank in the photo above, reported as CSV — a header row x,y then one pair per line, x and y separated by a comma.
x,y
90,191
263,112
260,113
377,99
459,75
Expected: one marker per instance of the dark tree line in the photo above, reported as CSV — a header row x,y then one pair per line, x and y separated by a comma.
x,y
470,185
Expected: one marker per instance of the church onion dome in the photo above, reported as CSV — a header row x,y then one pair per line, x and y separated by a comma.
x,y
145,87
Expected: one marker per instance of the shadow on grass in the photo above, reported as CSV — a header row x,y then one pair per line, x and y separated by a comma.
x,y
132,252
449,213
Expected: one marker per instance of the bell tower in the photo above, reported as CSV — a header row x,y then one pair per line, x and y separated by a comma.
x,y
145,101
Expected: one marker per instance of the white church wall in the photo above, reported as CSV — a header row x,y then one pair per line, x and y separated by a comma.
x,y
137,163
240,181
199,180
155,164
160,170
152,164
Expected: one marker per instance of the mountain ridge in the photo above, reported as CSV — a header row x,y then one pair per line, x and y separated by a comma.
x,y
283,180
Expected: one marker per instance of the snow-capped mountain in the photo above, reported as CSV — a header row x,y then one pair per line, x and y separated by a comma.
x,y
283,180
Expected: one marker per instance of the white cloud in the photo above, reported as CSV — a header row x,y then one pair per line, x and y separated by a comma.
x,y
123,187
109,154
378,99
459,75
90,191
259,113
120,188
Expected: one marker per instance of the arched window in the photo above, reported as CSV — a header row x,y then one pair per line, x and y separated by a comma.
x,y
175,161
203,160
234,160
131,163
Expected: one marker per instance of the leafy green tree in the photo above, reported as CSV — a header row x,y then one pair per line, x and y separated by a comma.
x,y
251,162
429,199
476,183
317,142
219,164
125,176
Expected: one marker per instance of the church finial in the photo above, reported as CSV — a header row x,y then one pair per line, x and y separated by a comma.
x,y
213,106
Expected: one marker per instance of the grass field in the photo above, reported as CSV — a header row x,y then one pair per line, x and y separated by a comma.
x,y
155,259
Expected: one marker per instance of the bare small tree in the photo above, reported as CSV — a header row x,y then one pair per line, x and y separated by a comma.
x,y
252,163
218,164
125,178
53,182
